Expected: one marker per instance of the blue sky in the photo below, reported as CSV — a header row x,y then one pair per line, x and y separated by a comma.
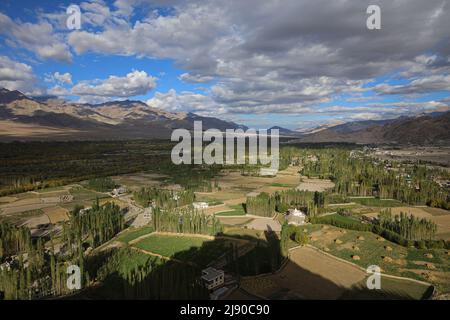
x,y
259,65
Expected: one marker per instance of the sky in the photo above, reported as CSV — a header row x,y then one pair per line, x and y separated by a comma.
x,y
293,63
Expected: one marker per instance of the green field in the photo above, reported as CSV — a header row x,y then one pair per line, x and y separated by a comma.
x,y
238,210
390,289
132,234
193,249
376,202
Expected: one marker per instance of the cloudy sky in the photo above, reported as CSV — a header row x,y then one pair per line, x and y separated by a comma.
x,y
293,63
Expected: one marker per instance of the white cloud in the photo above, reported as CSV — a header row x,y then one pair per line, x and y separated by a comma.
x,y
18,76
187,77
269,58
185,102
38,38
133,84
61,78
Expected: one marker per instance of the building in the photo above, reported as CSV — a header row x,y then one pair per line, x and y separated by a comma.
x,y
200,205
118,191
148,213
296,217
268,172
213,278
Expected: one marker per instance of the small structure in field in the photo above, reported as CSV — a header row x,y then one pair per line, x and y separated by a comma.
x,y
268,172
296,217
213,278
200,205
118,191
148,213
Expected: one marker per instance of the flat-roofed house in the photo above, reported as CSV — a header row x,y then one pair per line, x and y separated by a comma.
x,y
213,278
200,205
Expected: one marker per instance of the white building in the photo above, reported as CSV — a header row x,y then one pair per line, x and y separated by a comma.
x,y
200,205
268,172
148,213
213,278
118,191
296,217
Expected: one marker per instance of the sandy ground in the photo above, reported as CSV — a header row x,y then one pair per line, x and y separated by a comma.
x,y
12,129
263,224
309,275
56,214
234,220
314,184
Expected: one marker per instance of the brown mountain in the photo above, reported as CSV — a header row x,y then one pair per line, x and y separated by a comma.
x,y
421,130
25,118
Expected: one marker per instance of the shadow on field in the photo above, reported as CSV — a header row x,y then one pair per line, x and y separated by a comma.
x,y
127,273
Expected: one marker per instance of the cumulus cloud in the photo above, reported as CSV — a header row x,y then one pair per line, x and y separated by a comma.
x,y
185,102
264,57
61,78
38,38
133,84
268,56
18,76
187,77
421,85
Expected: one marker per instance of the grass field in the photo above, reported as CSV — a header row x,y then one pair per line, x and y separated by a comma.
x,y
130,235
376,202
193,249
238,210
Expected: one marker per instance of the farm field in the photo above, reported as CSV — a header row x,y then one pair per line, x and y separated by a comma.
x,y
425,265
132,234
310,274
314,184
197,250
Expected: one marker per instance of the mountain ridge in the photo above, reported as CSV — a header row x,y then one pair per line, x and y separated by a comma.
x,y
127,119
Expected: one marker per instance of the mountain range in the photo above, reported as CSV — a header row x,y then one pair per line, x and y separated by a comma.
x,y
422,129
27,118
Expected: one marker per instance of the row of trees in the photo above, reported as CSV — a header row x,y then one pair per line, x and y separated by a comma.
x,y
261,205
408,226
13,240
363,176
163,198
103,184
265,205
95,225
185,220
152,279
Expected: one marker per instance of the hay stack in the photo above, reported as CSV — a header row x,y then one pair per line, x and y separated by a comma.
x,y
355,257
387,259
343,231
337,241
428,255
388,248
380,239
326,249
356,248
360,238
